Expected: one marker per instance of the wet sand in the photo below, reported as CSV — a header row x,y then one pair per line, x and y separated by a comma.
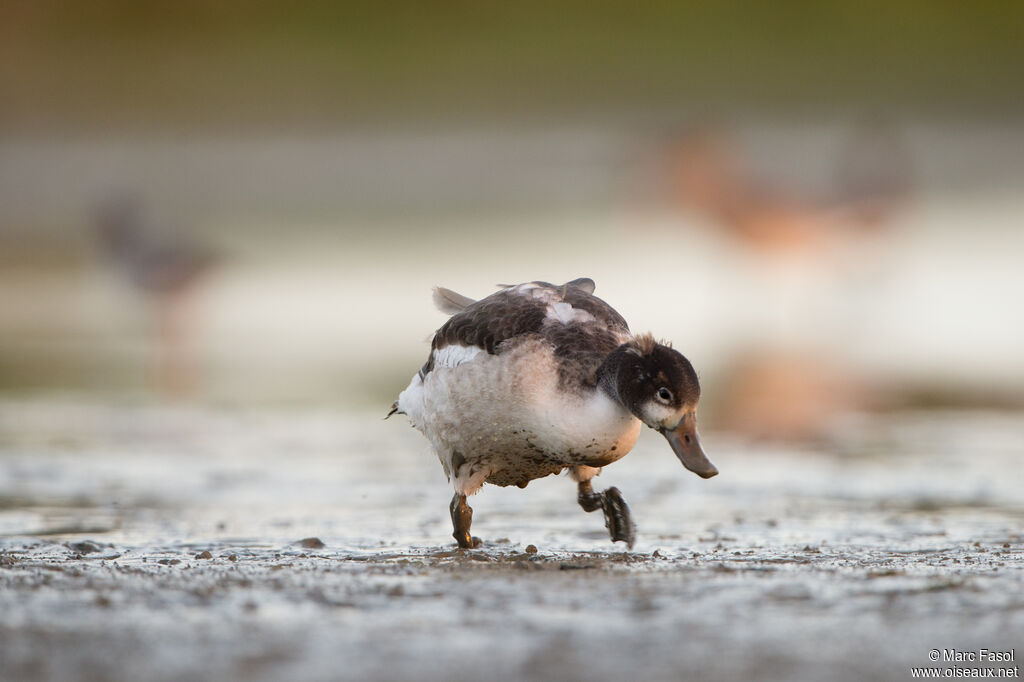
x,y
156,542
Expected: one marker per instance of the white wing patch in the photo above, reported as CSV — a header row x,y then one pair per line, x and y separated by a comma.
x,y
558,310
566,314
455,355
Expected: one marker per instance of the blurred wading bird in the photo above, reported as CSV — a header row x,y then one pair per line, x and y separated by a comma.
x,y
873,182
166,268
537,378
784,391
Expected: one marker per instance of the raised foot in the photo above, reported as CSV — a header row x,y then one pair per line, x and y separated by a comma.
x,y
616,512
617,518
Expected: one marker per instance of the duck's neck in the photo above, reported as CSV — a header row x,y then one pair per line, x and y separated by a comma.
x,y
610,371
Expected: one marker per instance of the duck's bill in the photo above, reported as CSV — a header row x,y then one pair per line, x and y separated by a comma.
x,y
686,444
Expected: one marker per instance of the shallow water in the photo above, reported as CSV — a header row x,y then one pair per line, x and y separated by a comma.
x,y
851,559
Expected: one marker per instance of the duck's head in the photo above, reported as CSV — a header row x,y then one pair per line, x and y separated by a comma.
x,y
658,385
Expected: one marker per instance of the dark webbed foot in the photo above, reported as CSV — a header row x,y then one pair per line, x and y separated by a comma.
x,y
462,519
617,518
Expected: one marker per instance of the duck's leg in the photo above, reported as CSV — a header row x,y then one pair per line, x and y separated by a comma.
x,y
617,518
462,519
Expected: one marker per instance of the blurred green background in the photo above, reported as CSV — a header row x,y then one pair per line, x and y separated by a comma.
x,y
108,64
336,160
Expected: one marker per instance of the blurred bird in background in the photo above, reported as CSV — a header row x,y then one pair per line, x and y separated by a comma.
x,y
710,176
166,268
803,246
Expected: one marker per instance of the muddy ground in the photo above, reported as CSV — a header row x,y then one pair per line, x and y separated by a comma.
x,y
158,543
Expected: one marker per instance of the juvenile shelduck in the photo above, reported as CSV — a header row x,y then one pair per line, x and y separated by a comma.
x,y
537,378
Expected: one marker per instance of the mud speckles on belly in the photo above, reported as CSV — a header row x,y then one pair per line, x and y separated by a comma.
x,y
601,460
524,457
525,460
525,469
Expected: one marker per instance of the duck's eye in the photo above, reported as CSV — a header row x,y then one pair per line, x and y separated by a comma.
x,y
664,394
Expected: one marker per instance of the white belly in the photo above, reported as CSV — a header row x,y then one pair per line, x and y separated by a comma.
x,y
503,419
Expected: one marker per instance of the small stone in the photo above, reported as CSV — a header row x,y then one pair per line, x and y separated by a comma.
x,y
205,554
312,543
84,547
531,549
232,557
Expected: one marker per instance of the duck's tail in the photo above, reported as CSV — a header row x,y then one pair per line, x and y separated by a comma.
x,y
449,302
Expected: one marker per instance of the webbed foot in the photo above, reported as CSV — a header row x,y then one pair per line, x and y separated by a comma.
x,y
617,518
462,519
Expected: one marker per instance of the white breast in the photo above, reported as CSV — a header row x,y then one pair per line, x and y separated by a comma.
x,y
493,412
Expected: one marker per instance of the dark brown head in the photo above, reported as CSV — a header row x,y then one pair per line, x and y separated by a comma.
x,y
658,385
